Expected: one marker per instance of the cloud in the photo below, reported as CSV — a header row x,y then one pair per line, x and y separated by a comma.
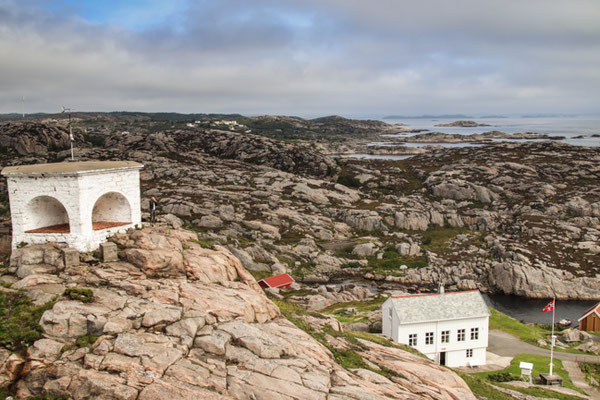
x,y
302,57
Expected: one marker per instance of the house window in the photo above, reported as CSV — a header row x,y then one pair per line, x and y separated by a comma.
x,y
460,335
474,333
469,353
412,339
445,336
429,338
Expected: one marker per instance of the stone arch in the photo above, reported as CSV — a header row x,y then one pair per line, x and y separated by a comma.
x,y
110,210
45,214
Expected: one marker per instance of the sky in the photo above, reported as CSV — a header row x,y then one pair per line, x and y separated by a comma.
x,y
309,58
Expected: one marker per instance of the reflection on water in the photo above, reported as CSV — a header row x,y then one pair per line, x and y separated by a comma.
x,y
530,310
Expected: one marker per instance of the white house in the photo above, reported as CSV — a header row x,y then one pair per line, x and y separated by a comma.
x,y
78,203
450,328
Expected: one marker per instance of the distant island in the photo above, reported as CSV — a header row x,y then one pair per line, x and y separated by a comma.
x,y
428,116
463,124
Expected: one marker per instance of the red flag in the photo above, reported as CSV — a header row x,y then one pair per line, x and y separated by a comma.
x,y
549,307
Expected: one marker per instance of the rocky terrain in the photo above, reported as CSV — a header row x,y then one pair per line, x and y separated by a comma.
x,y
508,218
174,319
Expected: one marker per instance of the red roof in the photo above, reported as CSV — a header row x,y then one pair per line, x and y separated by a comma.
x,y
277,281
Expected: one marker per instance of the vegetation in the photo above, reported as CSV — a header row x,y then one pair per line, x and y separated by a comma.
x,y
86,340
591,372
541,364
81,294
258,275
527,333
392,261
19,318
482,389
349,180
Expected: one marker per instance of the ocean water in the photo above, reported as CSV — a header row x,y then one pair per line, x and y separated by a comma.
x,y
570,127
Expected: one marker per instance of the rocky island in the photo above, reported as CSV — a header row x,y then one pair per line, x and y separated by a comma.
x,y
463,124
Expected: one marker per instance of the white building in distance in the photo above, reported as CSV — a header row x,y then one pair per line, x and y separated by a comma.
x,y
449,328
78,203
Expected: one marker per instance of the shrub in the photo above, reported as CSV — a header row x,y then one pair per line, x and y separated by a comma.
x,y
19,320
348,180
81,294
503,377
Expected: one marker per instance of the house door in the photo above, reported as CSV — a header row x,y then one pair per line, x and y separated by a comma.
x,y
443,358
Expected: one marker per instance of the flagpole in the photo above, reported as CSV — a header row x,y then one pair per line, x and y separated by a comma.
x,y
552,337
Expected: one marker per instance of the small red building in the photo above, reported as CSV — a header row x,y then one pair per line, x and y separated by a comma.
x,y
590,320
281,281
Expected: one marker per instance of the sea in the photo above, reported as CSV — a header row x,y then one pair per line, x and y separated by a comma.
x,y
577,130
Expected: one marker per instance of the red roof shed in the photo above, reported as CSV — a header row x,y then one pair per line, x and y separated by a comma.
x,y
281,281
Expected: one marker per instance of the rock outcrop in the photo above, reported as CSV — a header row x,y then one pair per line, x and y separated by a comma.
x,y
32,138
175,320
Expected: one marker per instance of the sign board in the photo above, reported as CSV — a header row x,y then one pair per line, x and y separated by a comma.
x,y
526,368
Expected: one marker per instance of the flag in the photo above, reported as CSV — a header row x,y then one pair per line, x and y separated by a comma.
x,y
549,307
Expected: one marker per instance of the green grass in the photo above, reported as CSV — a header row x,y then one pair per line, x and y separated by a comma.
x,y
82,294
527,333
392,261
437,239
590,370
19,320
541,364
258,275
86,340
361,306
482,389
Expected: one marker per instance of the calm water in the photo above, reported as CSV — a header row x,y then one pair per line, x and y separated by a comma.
x,y
556,126
530,310
379,156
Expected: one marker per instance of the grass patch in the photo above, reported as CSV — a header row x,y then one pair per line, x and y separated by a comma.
x,y
19,320
483,389
541,364
361,306
437,240
258,275
527,333
392,261
80,294
86,340
591,372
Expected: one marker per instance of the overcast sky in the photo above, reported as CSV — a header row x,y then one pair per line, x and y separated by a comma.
x,y
301,57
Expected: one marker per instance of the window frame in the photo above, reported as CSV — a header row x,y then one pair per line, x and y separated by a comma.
x,y
412,337
469,353
429,338
475,333
461,335
445,336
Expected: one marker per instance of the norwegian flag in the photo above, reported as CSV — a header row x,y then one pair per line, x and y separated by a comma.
x,y
549,307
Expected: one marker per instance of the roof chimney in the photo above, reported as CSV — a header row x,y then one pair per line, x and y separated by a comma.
x,y
441,289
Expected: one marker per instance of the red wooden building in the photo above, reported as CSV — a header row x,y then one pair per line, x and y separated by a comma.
x,y
281,281
590,320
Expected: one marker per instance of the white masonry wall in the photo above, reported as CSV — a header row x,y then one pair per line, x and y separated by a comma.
x,y
78,193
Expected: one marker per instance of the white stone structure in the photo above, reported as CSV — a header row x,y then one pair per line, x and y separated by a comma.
x,y
78,203
449,328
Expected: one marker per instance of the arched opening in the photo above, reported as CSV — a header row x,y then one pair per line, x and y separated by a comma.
x,y
111,209
45,214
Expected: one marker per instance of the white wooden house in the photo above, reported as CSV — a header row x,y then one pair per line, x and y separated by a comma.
x,y
449,328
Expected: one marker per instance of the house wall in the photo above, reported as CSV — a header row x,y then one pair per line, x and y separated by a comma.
x,y
455,350
389,323
78,193
591,323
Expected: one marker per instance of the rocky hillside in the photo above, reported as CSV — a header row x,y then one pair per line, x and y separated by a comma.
x,y
249,148
32,138
508,218
173,319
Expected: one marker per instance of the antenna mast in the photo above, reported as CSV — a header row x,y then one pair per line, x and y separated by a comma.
x,y
70,130
23,106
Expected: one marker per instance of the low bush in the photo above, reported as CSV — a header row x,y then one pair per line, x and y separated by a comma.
x,y
81,294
